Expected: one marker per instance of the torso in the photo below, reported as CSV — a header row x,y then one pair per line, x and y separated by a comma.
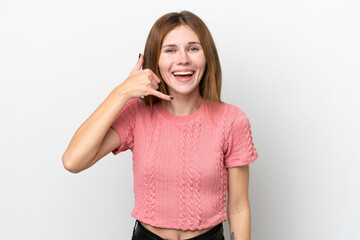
x,y
174,234
209,172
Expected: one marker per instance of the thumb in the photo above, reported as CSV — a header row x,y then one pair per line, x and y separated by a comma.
x,y
139,63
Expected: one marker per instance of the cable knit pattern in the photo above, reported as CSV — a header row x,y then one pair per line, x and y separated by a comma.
x,y
180,162
183,180
197,203
223,180
148,171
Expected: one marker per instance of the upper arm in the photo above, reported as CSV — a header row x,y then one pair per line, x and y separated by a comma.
x,y
109,143
124,125
238,182
239,146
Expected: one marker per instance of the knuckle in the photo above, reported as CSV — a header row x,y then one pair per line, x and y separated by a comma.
x,y
148,88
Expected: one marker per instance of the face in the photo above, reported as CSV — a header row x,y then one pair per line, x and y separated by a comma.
x,y
182,61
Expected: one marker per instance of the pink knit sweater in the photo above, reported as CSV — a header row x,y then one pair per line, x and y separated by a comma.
x,y
180,162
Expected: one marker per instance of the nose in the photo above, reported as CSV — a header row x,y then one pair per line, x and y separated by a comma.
x,y
183,58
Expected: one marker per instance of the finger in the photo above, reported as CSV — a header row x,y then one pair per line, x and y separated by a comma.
x,y
161,95
138,64
154,82
157,79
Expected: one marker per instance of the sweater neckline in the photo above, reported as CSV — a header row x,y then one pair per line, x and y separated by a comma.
x,y
180,119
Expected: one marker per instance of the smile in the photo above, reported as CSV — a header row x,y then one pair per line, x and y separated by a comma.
x,y
183,76
190,73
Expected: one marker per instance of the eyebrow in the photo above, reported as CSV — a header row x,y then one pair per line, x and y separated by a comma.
x,y
174,45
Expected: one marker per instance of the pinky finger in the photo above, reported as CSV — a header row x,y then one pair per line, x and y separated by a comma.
x,y
161,95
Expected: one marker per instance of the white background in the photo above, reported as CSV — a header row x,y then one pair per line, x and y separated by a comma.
x,y
292,66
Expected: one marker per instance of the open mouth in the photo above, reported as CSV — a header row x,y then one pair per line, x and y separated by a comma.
x,y
183,74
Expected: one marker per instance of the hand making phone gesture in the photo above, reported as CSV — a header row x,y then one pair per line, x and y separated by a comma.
x,y
95,139
142,82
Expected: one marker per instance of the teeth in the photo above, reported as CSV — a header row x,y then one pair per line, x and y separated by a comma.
x,y
183,73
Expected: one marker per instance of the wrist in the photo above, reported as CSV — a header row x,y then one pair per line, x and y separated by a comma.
x,y
120,92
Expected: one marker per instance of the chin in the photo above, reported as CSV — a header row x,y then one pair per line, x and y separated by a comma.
x,y
183,91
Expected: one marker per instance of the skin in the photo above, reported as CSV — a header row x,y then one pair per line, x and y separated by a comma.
x,y
238,207
181,50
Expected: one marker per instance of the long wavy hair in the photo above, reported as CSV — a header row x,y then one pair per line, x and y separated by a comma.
x,y
210,84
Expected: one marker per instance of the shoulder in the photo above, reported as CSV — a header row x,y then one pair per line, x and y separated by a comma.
x,y
236,121
135,104
233,113
130,109
141,109
136,101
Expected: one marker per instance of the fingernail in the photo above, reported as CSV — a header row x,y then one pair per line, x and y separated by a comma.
x,y
139,55
171,98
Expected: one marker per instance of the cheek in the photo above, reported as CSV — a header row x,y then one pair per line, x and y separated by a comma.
x,y
202,66
164,63
201,62
161,65
164,70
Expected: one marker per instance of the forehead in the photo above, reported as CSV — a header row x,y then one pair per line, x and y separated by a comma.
x,y
180,35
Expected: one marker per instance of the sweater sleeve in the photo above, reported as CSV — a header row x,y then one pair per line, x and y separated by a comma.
x,y
124,125
240,148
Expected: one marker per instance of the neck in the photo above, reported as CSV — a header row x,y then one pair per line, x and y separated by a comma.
x,y
184,105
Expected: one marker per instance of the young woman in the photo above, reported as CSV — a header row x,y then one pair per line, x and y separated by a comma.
x,y
189,148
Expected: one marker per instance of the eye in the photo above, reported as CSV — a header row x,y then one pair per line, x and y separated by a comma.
x,y
193,49
169,50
